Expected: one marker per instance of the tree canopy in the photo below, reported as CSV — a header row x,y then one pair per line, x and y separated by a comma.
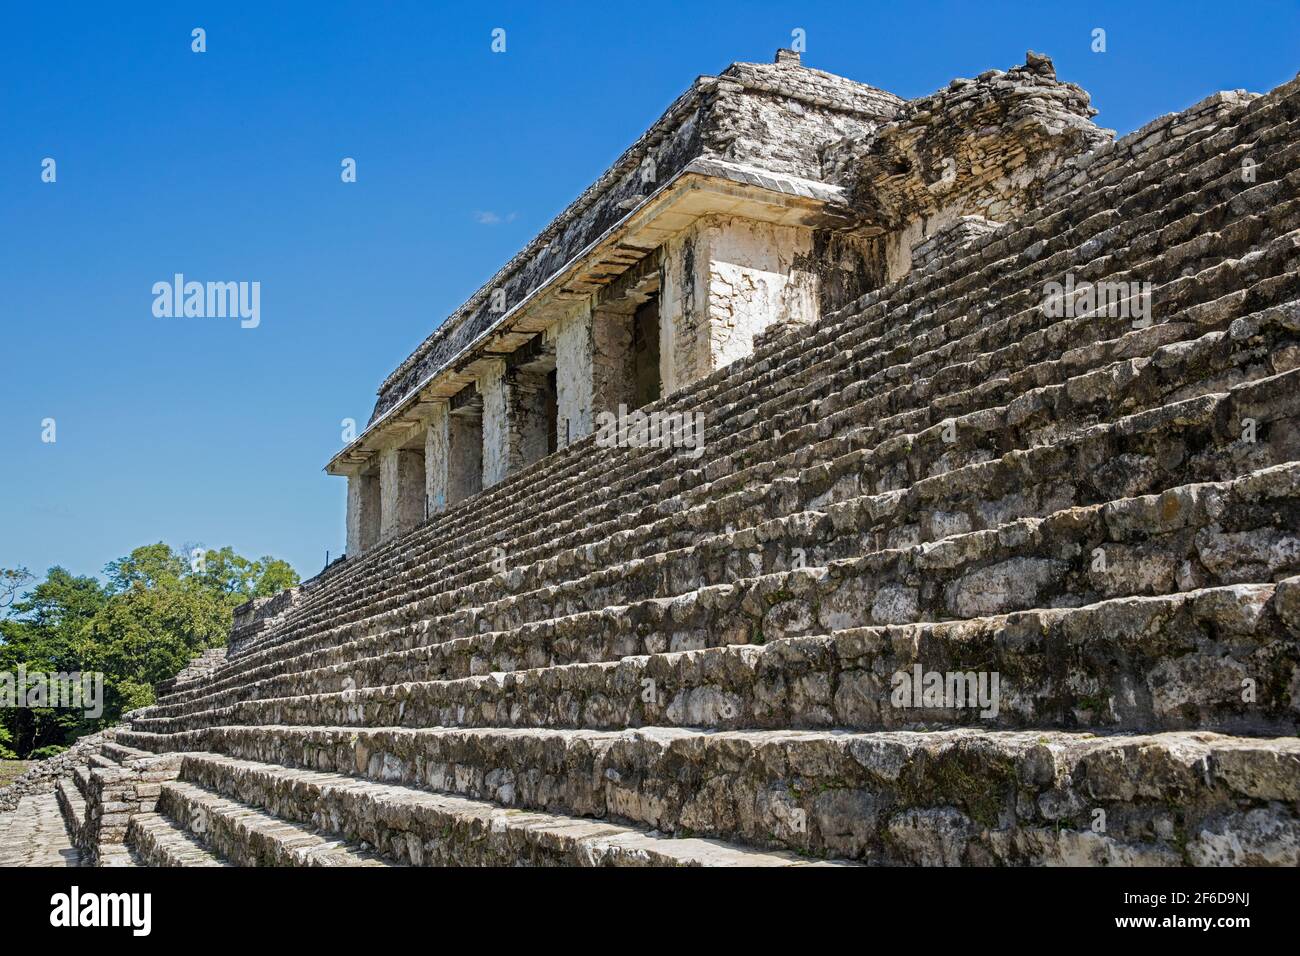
x,y
155,610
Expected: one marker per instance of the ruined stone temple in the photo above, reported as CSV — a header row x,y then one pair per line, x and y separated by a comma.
x,y
987,550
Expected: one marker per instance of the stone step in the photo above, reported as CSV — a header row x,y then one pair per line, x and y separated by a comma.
x,y
157,841
36,834
620,574
81,777
950,796
119,754
421,828
853,428
1144,452
480,562
1224,659
1022,424
1073,472
201,665
119,855
248,837
1188,537
850,465
1169,645
73,807
1218,115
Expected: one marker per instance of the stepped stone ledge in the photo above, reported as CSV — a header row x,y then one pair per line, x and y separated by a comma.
x,y
985,551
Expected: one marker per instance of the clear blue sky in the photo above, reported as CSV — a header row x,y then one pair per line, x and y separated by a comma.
x,y
225,165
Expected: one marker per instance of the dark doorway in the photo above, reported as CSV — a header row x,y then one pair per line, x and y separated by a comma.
x,y
645,353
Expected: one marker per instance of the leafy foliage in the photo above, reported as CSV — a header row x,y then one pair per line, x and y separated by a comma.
x,y
6,744
155,611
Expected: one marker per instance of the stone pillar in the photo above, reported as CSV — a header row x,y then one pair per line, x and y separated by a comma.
x,y
613,363
595,366
724,281
496,425
574,377
437,458
453,455
465,455
531,415
683,319
518,418
401,490
363,512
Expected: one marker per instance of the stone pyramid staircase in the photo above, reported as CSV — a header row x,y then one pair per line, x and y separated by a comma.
x,y
634,657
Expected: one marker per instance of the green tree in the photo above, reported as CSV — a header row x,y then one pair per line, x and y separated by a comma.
x,y
44,635
156,611
228,573
12,580
6,744
164,609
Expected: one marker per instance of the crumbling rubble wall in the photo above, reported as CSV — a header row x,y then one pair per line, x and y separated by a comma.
x,y
983,147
